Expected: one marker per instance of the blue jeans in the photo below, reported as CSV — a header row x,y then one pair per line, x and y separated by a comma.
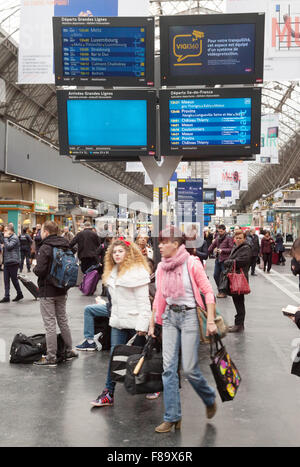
x,y
219,267
182,329
90,312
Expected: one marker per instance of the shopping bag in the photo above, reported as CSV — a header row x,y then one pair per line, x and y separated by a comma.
x,y
225,373
238,282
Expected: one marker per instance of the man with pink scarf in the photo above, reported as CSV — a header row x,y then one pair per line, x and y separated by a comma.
x,y
179,280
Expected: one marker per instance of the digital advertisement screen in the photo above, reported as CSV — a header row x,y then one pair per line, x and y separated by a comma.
x,y
92,52
212,49
215,122
107,125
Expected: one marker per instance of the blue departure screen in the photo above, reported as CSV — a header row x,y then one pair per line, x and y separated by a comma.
x,y
212,49
103,51
215,121
107,123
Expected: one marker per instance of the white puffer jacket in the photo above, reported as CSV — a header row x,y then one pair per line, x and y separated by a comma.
x,y
129,293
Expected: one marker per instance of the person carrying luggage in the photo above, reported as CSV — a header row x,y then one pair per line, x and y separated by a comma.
x,y
25,248
126,274
179,279
11,259
53,299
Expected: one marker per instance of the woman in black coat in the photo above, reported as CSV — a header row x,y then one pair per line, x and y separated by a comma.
x,y
242,255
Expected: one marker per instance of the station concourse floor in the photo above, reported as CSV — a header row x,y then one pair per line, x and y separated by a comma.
x,y
51,407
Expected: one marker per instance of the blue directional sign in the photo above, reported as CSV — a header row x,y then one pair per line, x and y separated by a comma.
x,y
210,208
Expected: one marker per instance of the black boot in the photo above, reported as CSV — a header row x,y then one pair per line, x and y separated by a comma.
x,y
18,297
5,300
236,328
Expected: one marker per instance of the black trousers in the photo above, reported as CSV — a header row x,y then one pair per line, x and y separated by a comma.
x,y
267,257
86,263
25,254
11,272
253,264
239,303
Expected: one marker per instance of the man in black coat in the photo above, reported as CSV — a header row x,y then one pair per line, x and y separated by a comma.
x,y
53,299
87,243
253,241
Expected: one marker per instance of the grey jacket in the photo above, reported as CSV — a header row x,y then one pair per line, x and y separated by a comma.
x,y
11,253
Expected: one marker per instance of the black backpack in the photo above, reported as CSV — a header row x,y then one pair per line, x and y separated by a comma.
x,y
30,349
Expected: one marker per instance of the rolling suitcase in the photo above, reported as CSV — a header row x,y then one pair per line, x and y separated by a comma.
x,y
275,258
33,289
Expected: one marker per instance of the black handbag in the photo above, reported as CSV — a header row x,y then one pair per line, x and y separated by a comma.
x,y
29,349
119,358
296,365
144,371
224,286
226,374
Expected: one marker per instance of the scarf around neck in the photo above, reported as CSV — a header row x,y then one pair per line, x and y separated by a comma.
x,y
172,280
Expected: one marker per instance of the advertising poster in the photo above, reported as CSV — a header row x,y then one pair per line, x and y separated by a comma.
x,y
204,50
36,61
282,35
269,140
228,175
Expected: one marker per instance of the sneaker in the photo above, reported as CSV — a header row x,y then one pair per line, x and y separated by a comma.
x,y
153,395
71,354
86,346
47,363
106,398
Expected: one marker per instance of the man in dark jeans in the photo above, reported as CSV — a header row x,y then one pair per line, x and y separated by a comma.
x,y
25,245
222,247
88,243
11,259
253,241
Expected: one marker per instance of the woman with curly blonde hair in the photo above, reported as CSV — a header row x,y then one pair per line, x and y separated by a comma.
x,y
126,275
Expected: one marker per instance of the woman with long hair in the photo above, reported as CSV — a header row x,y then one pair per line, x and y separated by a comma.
x,y
180,278
126,275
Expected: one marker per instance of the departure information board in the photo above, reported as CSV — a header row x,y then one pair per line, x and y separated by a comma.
x,y
104,51
210,121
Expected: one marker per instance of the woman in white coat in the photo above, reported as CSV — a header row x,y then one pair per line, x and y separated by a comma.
x,y
126,274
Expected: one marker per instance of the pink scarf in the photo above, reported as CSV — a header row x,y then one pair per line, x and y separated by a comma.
x,y
172,279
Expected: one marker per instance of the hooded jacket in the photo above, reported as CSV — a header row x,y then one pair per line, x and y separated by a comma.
x,y
44,261
130,303
11,252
